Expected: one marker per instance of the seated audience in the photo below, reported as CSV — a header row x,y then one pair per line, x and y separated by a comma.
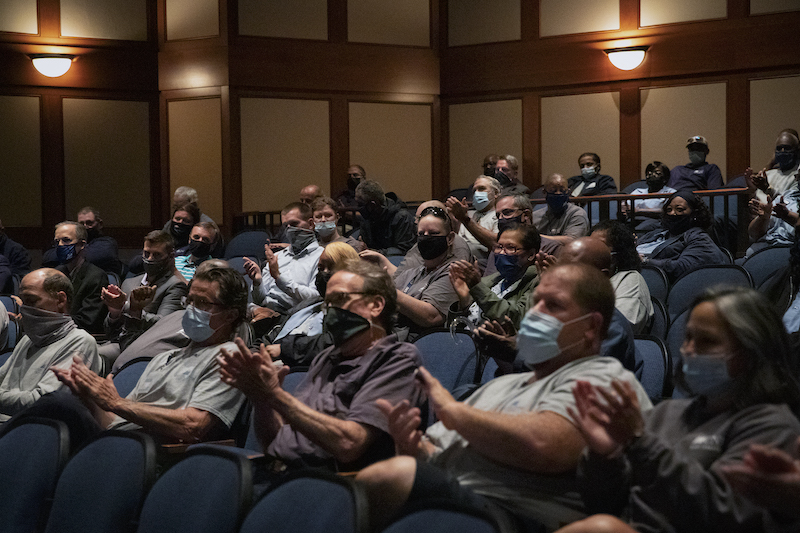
x,y
683,244
590,182
326,220
100,250
301,337
86,306
657,176
145,299
332,419
489,164
309,194
665,470
478,226
698,174
510,447
425,294
506,172
51,340
288,277
184,218
18,257
387,227
776,181
347,198
774,221
202,239
562,221
180,396
505,293
630,288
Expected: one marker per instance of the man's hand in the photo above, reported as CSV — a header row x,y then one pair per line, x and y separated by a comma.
x,y
404,422
141,297
756,181
252,373
272,262
467,271
89,386
780,210
497,339
440,399
458,208
544,261
253,270
114,299
375,257
760,209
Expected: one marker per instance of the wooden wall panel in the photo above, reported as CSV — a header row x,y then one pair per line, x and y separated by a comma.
x,y
20,163
104,19
655,12
298,19
773,6
191,19
773,107
19,16
563,17
476,21
399,23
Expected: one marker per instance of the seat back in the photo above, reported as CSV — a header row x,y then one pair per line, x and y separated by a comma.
x,y
675,334
660,323
694,283
128,376
641,184
657,282
449,357
310,501
766,262
113,278
489,369
656,378
32,454
102,487
247,243
442,517
206,492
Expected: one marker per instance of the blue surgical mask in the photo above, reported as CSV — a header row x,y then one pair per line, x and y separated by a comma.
x,y
65,253
197,324
325,229
557,202
508,266
697,158
705,374
537,339
480,200
588,172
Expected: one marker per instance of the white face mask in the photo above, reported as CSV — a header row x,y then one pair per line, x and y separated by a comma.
x,y
480,200
588,172
537,339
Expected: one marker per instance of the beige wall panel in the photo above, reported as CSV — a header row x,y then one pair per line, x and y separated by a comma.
x,y
773,107
298,19
572,125
189,19
285,146
477,21
773,6
107,159
389,22
561,17
393,143
479,129
652,12
20,162
670,115
104,19
195,151
18,16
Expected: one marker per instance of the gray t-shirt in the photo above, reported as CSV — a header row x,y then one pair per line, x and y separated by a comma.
x,y
186,377
550,499
572,222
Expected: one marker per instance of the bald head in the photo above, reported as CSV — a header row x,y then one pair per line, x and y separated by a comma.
x,y
309,193
587,251
555,183
47,289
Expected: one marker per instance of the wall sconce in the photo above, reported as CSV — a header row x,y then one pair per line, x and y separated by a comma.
x,y
52,65
627,58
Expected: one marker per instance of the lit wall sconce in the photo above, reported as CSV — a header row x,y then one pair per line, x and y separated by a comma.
x,y
52,65
627,58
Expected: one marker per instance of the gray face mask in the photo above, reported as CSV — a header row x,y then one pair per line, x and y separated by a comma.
x,y
697,158
44,327
299,238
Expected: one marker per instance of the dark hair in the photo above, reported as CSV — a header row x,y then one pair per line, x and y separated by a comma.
x,y
756,327
592,155
379,283
232,288
89,209
658,165
193,211
623,244
701,215
371,191
305,209
531,239
438,212
159,237
55,281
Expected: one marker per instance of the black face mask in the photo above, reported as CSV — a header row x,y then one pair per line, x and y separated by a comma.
x,y
154,269
199,249
501,176
321,281
352,183
92,234
431,246
343,324
181,231
503,223
677,224
655,182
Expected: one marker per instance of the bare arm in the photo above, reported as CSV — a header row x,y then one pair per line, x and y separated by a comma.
x,y
421,313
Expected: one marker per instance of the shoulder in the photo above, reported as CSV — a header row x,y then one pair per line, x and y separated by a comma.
x,y
389,348
94,272
575,211
131,283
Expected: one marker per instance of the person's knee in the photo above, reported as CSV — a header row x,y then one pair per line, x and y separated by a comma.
x,y
392,473
599,523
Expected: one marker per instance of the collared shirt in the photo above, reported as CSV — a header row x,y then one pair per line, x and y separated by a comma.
x,y
296,282
187,267
650,203
572,222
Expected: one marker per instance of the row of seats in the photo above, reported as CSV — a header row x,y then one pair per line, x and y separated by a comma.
x,y
110,485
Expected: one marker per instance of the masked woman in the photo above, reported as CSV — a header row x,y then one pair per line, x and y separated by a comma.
x,y
666,471
683,244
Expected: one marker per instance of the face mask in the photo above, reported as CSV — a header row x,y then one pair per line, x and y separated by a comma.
x,y
785,160
321,281
196,324
199,249
705,374
65,253
655,182
154,269
537,339
677,224
501,176
44,327
557,202
352,183
508,266
299,238
697,158
370,211
325,229
92,233
480,200
587,172
343,324
181,231
431,246
503,223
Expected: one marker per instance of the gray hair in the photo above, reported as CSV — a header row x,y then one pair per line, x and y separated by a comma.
x,y
512,161
493,184
80,232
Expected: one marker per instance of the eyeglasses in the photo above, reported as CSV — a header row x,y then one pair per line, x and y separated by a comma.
x,y
435,211
201,303
339,299
508,249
